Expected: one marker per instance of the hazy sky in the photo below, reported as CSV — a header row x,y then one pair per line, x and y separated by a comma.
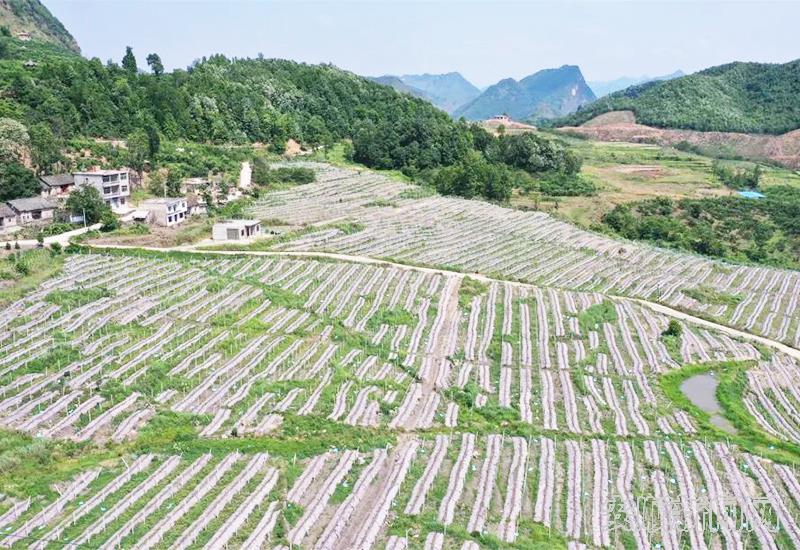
x,y
485,41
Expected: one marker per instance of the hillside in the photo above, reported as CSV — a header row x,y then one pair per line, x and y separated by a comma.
x,y
397,83
737,97
542,95
218,100
32,17
447,91
606,87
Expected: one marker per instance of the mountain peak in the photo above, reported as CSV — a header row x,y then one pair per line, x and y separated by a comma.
x,y
544,94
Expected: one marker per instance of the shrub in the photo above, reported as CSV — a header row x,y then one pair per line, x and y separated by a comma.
x,y
674,329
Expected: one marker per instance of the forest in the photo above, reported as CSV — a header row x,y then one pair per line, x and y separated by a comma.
x,y
765,231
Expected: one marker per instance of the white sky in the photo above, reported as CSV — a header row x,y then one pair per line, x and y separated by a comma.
x,y
485,41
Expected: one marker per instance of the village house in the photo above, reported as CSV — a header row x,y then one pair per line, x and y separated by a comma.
x,y
235,230
57,186
25,36
195,205
33,210
8,219
114,185
166,211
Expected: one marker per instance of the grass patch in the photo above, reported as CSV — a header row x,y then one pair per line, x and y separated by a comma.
x,y
469,289
76,298
708,295
594,316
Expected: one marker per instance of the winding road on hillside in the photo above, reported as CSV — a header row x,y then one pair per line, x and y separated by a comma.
x,y
657,307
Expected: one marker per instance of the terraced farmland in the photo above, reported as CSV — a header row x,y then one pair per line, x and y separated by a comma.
x,y
268,401
534,247
177,400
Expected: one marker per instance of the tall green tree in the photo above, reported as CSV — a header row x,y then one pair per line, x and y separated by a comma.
x,y
86,201
138,150
129,62
154,61
17,182
45,148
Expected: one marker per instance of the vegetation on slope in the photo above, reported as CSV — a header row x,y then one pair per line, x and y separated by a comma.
x,y
737,97
31,16
765,231
223,101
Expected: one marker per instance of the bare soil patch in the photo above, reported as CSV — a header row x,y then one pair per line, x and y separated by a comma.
x,y
621,126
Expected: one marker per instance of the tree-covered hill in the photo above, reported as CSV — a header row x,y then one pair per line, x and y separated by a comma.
x,y
737,97
32,17
216,100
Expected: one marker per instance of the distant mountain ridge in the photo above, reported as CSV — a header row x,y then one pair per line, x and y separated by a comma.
x,y
603,88
396,83
736,97
32,17
447,91
548,93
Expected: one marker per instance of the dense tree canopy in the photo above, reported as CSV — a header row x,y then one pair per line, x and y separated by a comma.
x,y
17,182
764,231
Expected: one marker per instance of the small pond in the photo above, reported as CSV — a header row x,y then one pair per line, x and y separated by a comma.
x,y
701,390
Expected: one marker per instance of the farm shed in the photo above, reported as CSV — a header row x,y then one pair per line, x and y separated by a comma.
x,y
234,230
32,210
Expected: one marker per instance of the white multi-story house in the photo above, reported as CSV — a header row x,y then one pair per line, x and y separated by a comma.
x,y
114,185
166,211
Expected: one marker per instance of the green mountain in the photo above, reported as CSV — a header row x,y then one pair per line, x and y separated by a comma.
x,y
32,17
737,97
546,94
447,91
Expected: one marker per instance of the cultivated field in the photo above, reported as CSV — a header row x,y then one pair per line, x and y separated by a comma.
x,y
264,402
474,236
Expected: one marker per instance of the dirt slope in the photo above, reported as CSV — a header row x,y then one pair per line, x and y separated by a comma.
x,y
622,126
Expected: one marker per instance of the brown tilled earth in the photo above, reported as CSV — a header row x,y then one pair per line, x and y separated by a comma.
x,y
622,126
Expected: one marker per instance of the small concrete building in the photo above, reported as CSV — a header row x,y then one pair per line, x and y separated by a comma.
x,y
235,230
195,205
57,186
113,185
8,219
33,210
166,211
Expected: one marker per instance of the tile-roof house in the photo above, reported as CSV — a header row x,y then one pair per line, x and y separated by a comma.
x,y
57,186
32,210
8,218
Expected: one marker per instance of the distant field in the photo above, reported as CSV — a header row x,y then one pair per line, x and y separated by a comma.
x,y
629,172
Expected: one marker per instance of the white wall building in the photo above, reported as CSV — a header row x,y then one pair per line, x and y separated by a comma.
x,y
113,185
235,230
166,211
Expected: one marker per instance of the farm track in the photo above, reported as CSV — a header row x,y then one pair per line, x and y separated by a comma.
x,y
655,306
